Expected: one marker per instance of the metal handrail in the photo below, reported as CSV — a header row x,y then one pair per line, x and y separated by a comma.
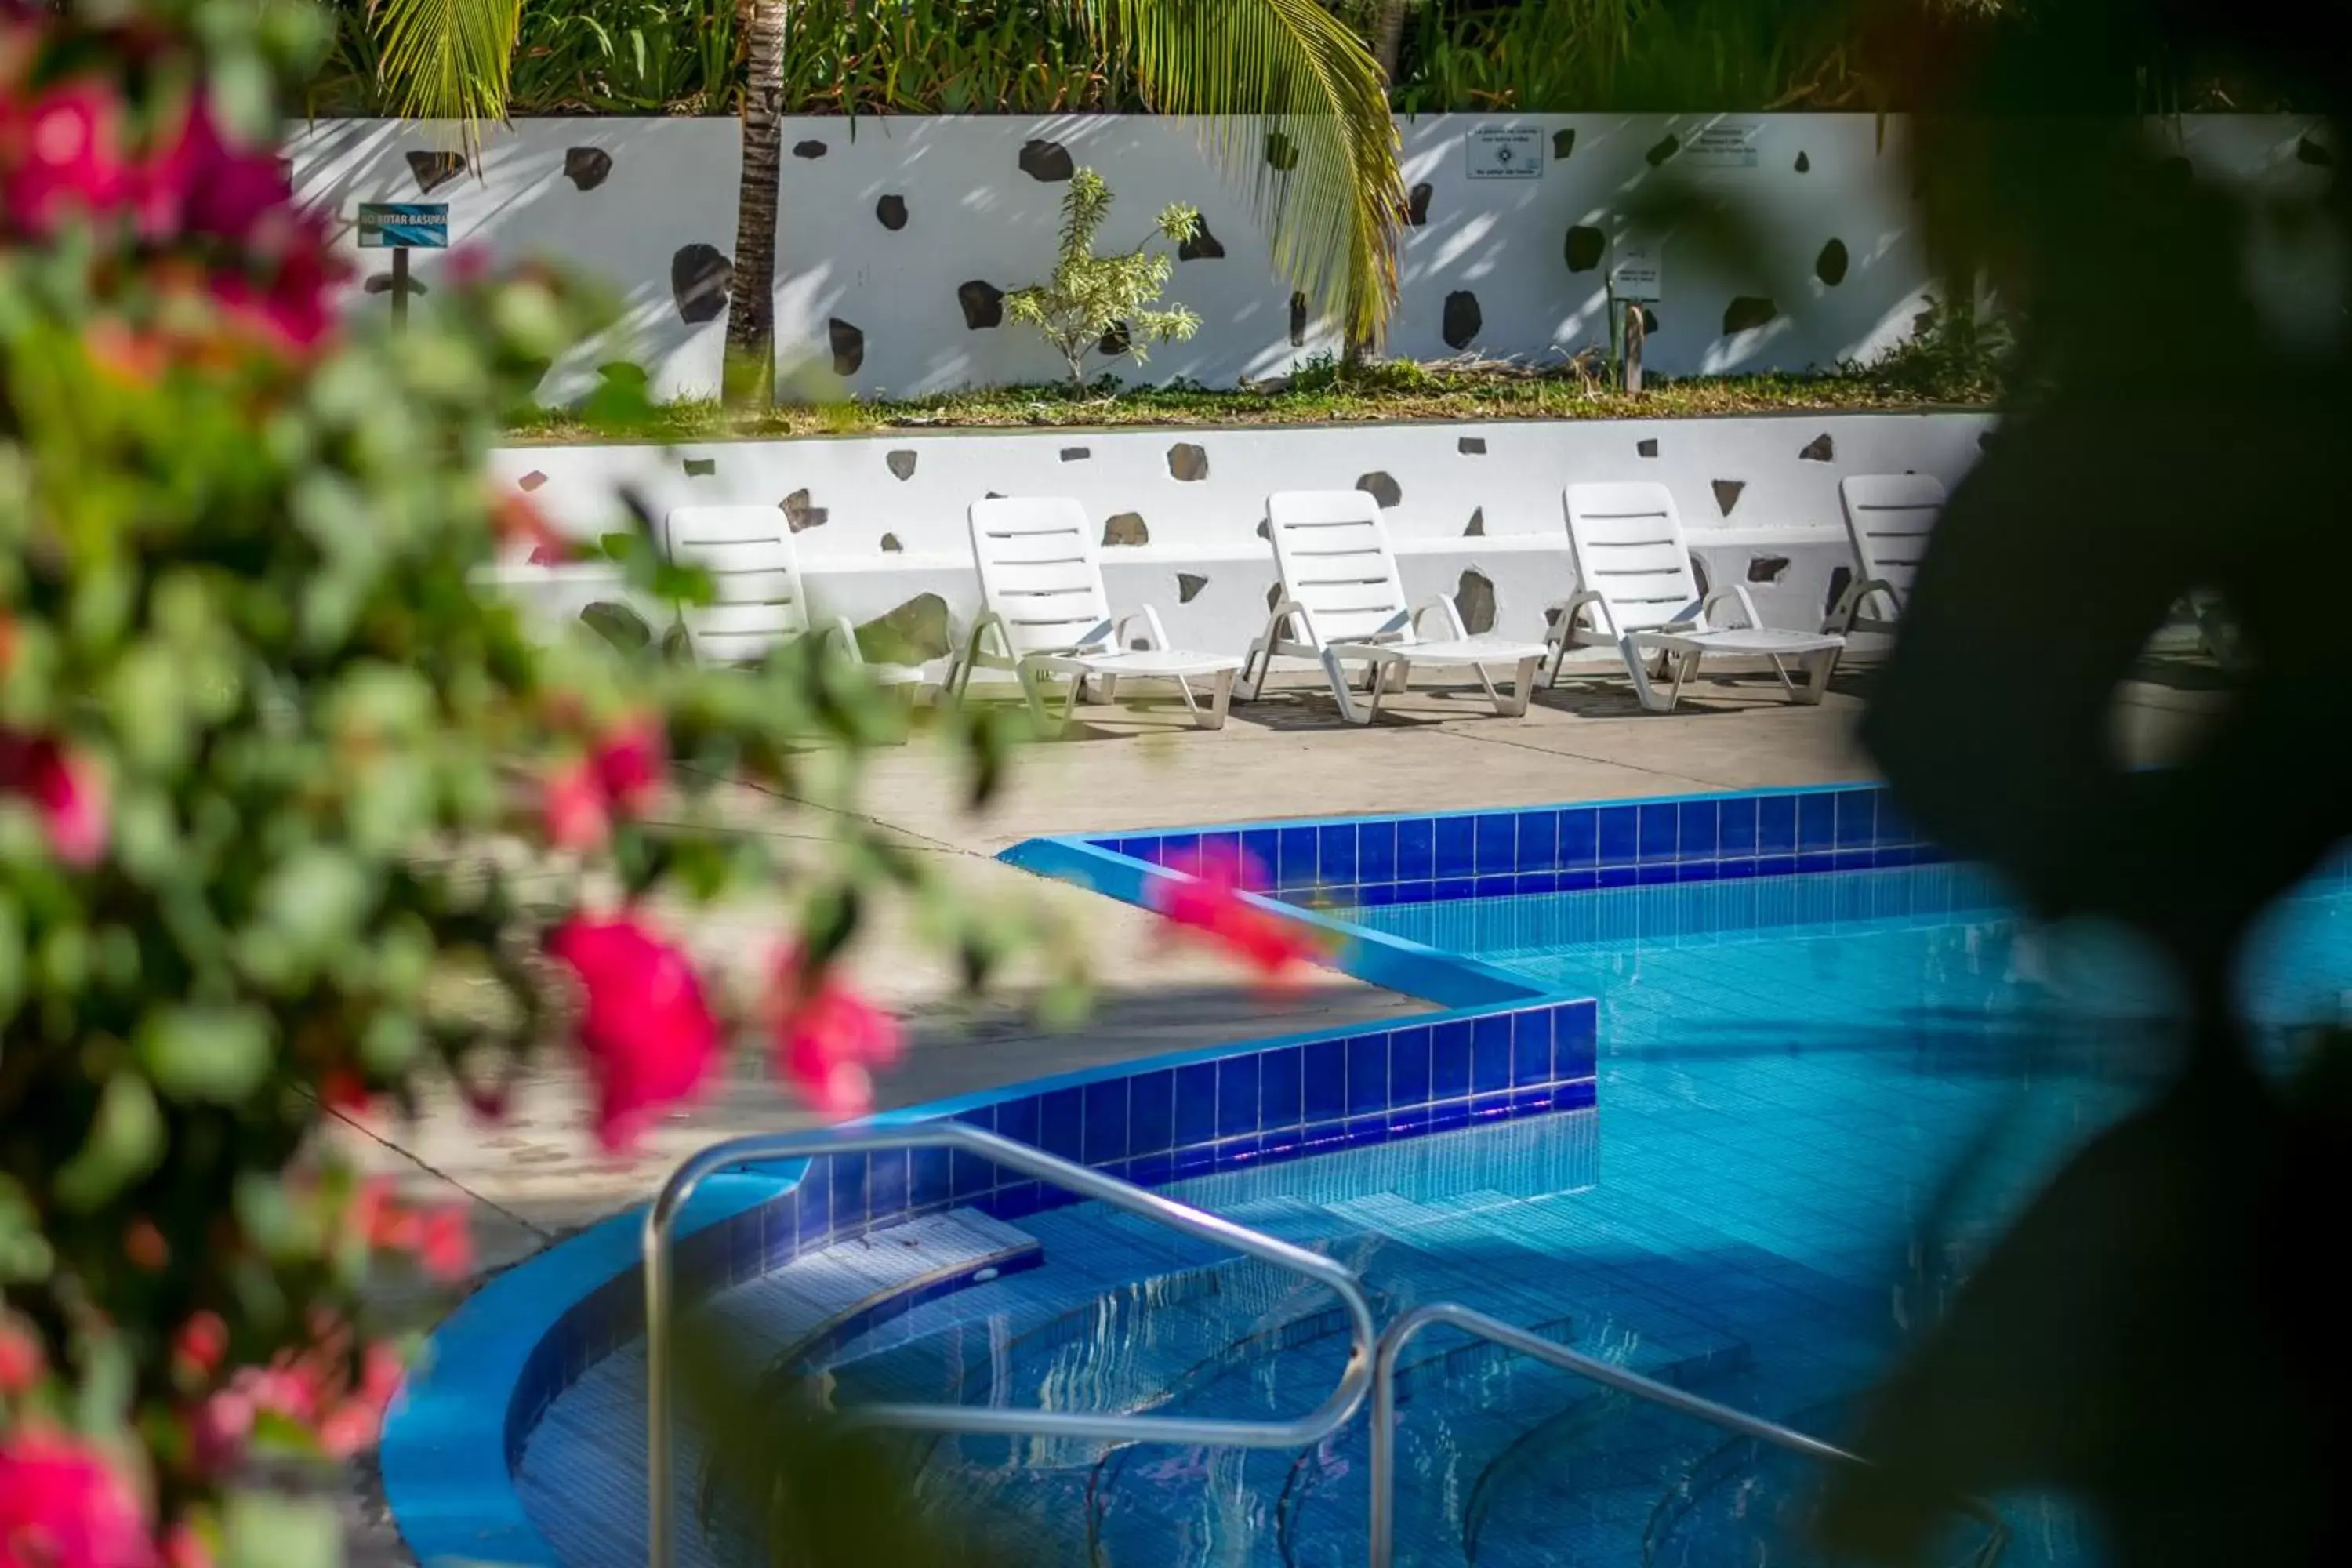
x,y
1607,1374
661,1220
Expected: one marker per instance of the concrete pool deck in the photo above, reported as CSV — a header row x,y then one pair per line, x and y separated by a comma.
x,y
538,1177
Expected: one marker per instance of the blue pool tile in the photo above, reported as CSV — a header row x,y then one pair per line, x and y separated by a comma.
x,y
1816,821
1196,1104
1579,1096
1409,1066
1697,871
1490,1053
1531,1102
1857,818
1578,881
1298,859
1652,875
1898,854
1325,1069
1658,832
1376,895
1734,827
1776,824
1181,852
1017,1120
1728,870
1531,1048
1416,838
1196,1161
1494,887
815,1194
1532,883
968,1173
1368,1074
1487,1107
1152,1170
1454,889
1852,859
1895,827
1620,835
1336,850
1409,1121
1281,1102
1776,864
1221,849
1457,847
1579,839
1062,1122
1416,892
1449,1060
1323,1136
1107,1121
1018,1201
1364,1130
1144,849
1376,852
1497,844
1696,829
1618,876
887,1185
1282,1143
1150,1112
1236,1151
1823,860
1261,859
1237,1091
1448,1114
849,1194
1539,841
931,1175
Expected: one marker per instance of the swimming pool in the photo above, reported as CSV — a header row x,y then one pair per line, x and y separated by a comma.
x,y
1790,1069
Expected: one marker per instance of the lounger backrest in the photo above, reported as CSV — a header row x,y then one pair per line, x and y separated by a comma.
x,y
1888,517
1332,550
757,597
1627,540
1040,573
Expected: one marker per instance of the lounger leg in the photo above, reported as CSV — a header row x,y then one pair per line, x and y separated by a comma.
x,y
1523,690
1338,675
1220,695
1110,685
1380,682
1397,676
1637,665
1246,686
1685,668
1780,668
1033,688
1819,668
1488,683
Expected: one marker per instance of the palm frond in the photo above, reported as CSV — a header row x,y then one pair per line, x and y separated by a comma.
x,y
1289,75
448,59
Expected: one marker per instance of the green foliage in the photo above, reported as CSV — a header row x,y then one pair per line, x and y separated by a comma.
x,y
1091,298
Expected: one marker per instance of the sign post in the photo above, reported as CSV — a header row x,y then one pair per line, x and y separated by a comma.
x,y
400,227
1634,279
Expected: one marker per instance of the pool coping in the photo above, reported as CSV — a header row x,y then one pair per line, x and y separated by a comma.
x,y
1500,1047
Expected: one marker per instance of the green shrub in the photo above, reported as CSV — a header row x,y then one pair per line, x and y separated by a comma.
x,y
1105,306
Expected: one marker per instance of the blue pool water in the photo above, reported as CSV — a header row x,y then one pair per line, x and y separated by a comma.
x,y
1762,1208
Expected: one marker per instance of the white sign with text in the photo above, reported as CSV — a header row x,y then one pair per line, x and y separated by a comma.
x,y
1634,272
1497,153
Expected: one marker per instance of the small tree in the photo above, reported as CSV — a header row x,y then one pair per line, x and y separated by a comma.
x,y
1105,305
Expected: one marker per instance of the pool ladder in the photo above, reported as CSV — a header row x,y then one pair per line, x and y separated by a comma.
x,y
1371,1361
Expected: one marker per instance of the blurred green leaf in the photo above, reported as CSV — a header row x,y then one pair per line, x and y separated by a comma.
x,y
266,1529
125,1141
218,1054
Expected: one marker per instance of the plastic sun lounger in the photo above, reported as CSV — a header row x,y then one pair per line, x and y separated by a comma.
x,y
1045,612
758,600
1634,573
1343,603
1888,518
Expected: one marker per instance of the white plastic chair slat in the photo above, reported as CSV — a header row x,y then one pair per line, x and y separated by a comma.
x,y
754,566
769,587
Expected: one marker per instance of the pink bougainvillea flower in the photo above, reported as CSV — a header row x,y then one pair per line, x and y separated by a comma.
x,y
201,1344
62,153
281,293
829,1038
64,1504
646,1035
21,1361
573,809
1213,904
517,521
65,787
629,762
183,1547
444,1243
202,186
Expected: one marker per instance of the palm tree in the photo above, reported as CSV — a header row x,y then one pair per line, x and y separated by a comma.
x,y
1292,104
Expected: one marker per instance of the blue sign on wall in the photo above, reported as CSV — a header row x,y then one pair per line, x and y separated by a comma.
x,y
412,226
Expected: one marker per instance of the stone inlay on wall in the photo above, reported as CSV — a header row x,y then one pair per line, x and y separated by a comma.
x,y
1477,529
1821,448
915,633
1046,160
1470,446
1649,323
1188,462
2309,151
699,468
848,344
1663,151
891,210
586,167
1416,206
700,278
1747,312
1126,528
1281,151
434,170
1463,320
983,302
902,462
1767,568
1804,162
890,545
530,481
1727,494
1189,586
1297,320
1382,487
1647,447
800,515
1563,141
1202,247
809,149
1116,342
1831,265
1473,596
1585,246
1076,454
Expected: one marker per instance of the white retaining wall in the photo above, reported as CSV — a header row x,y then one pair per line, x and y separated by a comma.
x,y
1476,507
902,307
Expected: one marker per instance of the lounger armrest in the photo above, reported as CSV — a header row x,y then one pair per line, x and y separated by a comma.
x,y
1738,594
1290,609
1848,608
1153,630
977,653
1454,626
1563,615
839,629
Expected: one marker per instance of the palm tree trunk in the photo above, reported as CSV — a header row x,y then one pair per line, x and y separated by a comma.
x,y
1388,38
750,378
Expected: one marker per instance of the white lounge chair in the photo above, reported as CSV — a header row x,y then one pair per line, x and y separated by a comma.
x,y
1633,578
1045,612
1343,603
1887,516
758,600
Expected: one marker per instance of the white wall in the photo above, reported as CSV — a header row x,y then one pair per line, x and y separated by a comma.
x,y
973,214
1777,503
